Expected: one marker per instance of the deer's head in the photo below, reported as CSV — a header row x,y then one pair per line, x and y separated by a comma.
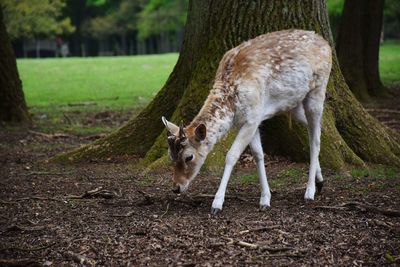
x,y
185,149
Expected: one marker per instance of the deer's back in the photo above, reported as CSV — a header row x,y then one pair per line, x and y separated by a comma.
x,y
275,71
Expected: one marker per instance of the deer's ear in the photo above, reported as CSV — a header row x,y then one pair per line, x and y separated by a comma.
x,y
172,128
200,132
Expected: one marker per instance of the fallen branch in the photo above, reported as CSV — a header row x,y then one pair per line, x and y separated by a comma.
x,y
248,245
18,262
98,192
79,258
362,207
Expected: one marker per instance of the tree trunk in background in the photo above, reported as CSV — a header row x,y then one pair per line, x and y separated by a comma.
x,y
12,102
358,46
350,134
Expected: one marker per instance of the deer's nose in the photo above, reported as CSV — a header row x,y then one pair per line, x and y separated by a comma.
x,y
177,189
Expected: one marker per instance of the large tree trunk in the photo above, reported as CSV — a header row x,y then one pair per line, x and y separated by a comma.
x,y
358,46
12,102
350,135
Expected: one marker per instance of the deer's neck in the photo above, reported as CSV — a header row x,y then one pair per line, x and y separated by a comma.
x,y
216,114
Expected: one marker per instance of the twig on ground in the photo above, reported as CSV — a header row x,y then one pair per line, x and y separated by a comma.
x,y
79,258
248,245
98,192
362,207
49,136
259,229
28,249
18,262
165,212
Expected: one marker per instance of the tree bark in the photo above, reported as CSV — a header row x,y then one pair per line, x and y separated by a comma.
x,y
13,108
358,47
350,135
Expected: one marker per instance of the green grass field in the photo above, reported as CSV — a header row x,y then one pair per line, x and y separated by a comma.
x,y
389,62
115,82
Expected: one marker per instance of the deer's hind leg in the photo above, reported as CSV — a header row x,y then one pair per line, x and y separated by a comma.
x,y
258,153
299,115
313,109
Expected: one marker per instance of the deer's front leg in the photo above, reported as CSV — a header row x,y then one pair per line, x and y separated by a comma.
x,y
242,139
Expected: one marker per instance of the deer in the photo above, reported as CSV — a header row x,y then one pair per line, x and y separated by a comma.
x,y
283,72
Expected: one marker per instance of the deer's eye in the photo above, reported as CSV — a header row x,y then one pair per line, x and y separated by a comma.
x,y
190,158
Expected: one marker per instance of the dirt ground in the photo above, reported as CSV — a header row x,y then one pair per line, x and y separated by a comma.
x,y
114,215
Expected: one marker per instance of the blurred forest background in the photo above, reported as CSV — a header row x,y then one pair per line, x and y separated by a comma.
x,y
55,28
94,27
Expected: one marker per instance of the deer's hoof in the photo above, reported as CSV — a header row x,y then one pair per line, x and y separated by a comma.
x,y
215,211
264,207
319,186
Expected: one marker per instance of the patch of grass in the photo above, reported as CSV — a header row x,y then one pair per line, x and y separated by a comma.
x,y
277,183
293,173
389,62
378,173
249,178
288,176
359,172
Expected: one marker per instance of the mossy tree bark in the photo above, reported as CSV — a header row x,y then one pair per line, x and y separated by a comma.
x,y
350,135
358,47
12,102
